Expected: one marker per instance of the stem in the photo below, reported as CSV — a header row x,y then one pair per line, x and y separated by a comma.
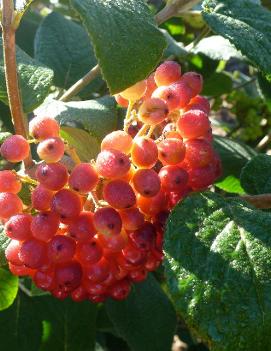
x,y
14,97
262,201
264,142
174,8
128,120
71,151
82,83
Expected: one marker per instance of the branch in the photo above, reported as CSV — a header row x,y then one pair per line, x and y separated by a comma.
x,y
82,83
262,201
173,8
14,97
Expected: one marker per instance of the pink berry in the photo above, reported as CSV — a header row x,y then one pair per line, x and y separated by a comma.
x,y
144,152
41,198
43,127
173,178
45,225
15,149
84,178
67,204
153,111
171,151
82,228
112,164
51,150
193,124
194,81
18,227
33,253
117,140
167,73
119,194
9,182
61,249
10,205
53,176
107,221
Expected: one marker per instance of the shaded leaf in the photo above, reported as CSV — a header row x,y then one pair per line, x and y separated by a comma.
x,y
126,41
217,84
146,319
218,264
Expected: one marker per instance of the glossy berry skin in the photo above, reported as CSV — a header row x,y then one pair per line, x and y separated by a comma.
x,y
79,294
41,128
193,124
44,280
10,205
41,198
113,243
107,221
151,86
98,272
194,81
18,227
117,140
120,290
12,252
153,111
169,94
45,225
167,73
171,151
144,152
199,103
33,253
53,176
51,150
67,204
119,194
146,182
61,249
82,228
21,271
199,153
68,276
131,218
9,182
15,149
201,178
135,92
144,237
112,164
152,205
84,178
89,252
133,256
173,178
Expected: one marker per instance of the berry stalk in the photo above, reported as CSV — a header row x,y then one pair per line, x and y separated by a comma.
x,y
15,103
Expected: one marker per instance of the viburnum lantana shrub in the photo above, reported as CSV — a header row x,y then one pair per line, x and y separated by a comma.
x,y
95,229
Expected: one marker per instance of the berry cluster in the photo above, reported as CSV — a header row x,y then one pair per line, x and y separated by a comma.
x,y
92,231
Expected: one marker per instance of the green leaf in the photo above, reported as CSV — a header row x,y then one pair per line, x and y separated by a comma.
x,y
217,84
217,48
4,241
264,87
246,25
35,80
20,325
64,46
230,184
234,155
67,326
256,175
146,319
126,41
218,264
8,288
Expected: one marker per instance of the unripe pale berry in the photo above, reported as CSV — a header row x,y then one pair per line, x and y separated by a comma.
x,y
15,148
134,92
51,150
121,100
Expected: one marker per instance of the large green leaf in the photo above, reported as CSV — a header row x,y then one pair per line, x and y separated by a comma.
x,y
8,288
218,269
126,41
256,175
230,184
35,80
4,241
64,46
146,319
84,123
217,48
247,25
234,155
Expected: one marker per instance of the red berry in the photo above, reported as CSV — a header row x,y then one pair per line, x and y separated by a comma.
x,y
10,205
21,271
53,176
146,182
171,151
44,280
9,182
167,73
120,290
41,198
89,252
133,255
173,178
153,111
119,194
144,152
152,205
144,237
199,103
82,228
43,127
84,178
193,124
79,294
201,178
67,204
61,249
98,272
132,218
107,221
194,81
18,227
199,153
12,252
113,243
68,276
33,253
45,225
112,164
15,148
138,275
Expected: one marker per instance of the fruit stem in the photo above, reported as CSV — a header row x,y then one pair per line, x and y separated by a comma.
x,y
128,119
71,151
26,179
80,84
14,97
262,201
143,130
